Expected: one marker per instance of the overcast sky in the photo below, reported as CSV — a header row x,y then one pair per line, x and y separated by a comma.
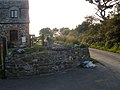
x,y
57,13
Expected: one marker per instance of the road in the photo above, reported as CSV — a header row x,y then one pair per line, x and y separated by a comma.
x,y
100,78
109,59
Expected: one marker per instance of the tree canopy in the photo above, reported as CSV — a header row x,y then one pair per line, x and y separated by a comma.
x,y
103,6
103,35
45,31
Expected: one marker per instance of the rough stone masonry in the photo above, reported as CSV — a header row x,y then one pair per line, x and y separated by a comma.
x,y
14,21
50,61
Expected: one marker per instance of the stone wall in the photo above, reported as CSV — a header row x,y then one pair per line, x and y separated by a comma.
x,y
48,61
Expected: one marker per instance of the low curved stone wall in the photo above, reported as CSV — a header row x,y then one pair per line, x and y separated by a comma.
x,y
53,60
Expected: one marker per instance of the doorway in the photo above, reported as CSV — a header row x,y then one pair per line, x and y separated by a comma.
x,y
14,36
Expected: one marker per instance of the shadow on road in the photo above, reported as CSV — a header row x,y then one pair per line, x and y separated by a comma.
x,y
99,78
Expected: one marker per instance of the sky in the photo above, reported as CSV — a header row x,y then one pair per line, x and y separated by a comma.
x,y
58,13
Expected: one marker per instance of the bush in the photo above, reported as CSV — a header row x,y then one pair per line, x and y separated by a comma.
x,y
93,46
108,44
39,43
60,38
81,45
71,39
114,48
76,42
118,51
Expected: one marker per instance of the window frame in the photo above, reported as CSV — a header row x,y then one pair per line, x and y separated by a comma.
x,y
14,13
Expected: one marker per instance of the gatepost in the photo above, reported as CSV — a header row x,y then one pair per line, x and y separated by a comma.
x,y
3,54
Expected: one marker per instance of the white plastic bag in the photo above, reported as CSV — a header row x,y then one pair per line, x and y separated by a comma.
x,y
90,65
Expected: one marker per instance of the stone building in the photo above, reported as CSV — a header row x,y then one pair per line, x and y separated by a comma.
x,y
14,21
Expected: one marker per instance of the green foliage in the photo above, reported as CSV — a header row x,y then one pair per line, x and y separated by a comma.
x,y
76,42
36,49
104,35
118,51
83,45
114,48
83,27
70,39
45,31
39,43
60,38
65,31
108,45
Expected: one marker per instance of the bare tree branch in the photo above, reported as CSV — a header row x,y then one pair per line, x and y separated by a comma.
x,y
103,5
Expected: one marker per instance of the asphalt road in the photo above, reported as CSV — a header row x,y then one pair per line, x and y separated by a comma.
x,y
99,78
109,59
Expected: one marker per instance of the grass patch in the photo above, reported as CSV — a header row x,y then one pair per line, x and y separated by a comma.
x,y
114,49
36,49
39,43
118,51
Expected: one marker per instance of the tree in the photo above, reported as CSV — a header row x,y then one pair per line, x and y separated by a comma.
x,y
46,31
103,5
64,31
83,27
91,19
118,8
54,30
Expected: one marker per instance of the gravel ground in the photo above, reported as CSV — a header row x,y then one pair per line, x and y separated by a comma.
x,y
99,78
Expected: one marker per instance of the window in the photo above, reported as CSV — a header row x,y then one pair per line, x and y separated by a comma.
x,y
14,13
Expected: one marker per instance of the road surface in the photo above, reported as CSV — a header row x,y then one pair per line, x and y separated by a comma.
x,y
109,59
99,78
